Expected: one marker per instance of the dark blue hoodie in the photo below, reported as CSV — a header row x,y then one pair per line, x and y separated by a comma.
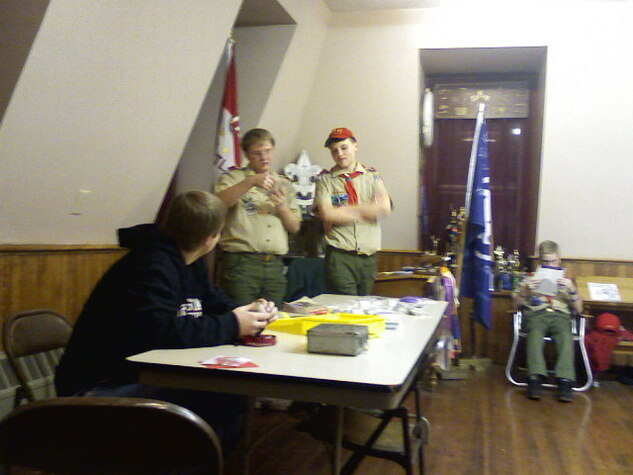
x,y
147,300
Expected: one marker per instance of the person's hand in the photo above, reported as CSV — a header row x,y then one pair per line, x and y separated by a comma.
x,y
263,180
278,197
254,317
375,209
271,309
532,283
568,284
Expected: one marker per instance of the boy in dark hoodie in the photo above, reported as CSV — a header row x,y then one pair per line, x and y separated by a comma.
x,y
159,296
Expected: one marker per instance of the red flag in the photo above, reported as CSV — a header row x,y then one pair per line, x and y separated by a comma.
x,y
227,153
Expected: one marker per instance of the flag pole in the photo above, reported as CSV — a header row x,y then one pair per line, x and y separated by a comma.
x,y
474,361
473,158
469,188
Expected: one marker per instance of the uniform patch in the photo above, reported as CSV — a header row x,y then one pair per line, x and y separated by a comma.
x,y
339,199
250,207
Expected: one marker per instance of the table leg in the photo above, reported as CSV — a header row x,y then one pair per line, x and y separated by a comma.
x,y
338,441
248,436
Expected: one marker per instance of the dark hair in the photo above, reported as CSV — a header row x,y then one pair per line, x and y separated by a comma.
x,y
256,135
548,247
330,141
192,217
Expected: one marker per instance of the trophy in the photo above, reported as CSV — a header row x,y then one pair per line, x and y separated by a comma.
x,y
514,265
501,269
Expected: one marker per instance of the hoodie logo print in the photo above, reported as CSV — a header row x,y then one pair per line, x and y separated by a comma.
x,y
192,308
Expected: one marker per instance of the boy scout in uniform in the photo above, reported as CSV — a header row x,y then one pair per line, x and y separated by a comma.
x,y
350,198
262,211
546,314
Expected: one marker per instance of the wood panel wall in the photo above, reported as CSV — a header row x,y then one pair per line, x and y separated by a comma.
x,y
62,277
495,343
56,277
392,260
579,267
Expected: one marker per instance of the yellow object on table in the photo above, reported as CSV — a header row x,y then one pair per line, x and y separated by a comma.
x,y
301,325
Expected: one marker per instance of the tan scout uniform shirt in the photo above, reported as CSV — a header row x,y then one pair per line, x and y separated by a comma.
x,y
252,225
562,302
361,237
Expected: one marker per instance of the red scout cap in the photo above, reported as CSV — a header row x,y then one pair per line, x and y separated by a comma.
x,y
340,133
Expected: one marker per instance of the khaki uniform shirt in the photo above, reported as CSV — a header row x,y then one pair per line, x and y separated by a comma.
x,y
251,224
561,302
361,237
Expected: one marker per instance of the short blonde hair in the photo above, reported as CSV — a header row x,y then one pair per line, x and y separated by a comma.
x,y
548,247
192,217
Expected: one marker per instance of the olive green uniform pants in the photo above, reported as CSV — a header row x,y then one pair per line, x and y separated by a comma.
x,y
349,273
246,277
558,325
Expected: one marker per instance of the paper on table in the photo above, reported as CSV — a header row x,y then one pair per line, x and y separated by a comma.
x,y
605,292
229,362
549,279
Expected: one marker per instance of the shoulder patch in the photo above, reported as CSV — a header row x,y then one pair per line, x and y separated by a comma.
x,y
370,169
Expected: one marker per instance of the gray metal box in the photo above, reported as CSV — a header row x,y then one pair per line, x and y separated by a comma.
x,y
338,339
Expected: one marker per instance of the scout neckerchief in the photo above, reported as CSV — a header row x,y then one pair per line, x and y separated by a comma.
x,y
352,196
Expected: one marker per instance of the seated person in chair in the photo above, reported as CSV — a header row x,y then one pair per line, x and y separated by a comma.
x,y
549,315
159,296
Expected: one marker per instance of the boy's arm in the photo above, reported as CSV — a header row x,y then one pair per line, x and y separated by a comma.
x,y
231,193
523,293
154,306
346,214
286,208
382,200
573,299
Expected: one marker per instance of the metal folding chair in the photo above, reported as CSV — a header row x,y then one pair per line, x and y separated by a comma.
x,y
516,372
29,333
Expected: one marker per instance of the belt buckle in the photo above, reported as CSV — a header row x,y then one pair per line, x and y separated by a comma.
x,y
267,257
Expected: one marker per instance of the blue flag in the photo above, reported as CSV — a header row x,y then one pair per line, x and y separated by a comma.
x,y
476,281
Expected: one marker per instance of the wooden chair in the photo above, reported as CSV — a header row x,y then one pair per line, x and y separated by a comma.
x,y
29,333
108,435
515,372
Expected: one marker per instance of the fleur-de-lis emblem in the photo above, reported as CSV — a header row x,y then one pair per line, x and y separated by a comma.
x,y
235,123
480,97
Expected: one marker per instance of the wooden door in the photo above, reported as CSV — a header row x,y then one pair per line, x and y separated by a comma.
x,y
445,174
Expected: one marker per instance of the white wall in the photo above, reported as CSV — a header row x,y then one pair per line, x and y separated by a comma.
x,y
259,52
289,96
368,80
105,103
276,66
111,91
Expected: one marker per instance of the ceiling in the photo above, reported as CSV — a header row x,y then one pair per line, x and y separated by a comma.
x,y
483,60
270,12
262,13
355,5
434,61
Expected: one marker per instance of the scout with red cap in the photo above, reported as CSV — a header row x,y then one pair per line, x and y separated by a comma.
x,y
340,133
350,198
